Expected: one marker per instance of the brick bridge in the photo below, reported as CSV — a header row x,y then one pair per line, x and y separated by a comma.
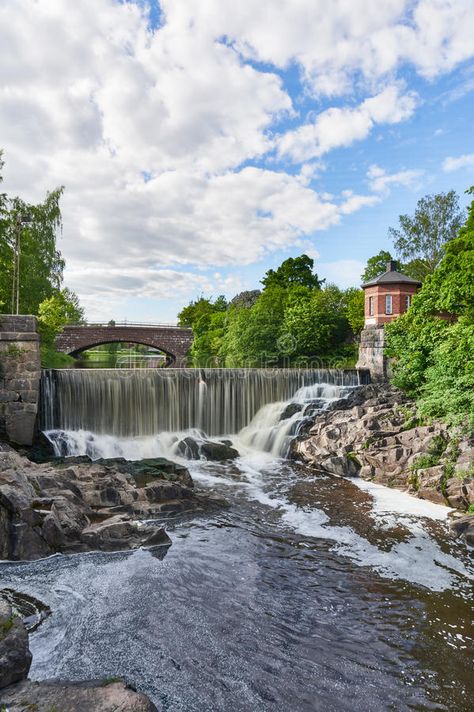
x,y
174,341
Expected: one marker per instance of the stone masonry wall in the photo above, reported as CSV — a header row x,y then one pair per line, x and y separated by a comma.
x,y
20,372
371,355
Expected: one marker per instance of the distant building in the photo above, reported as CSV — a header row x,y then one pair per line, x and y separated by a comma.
x,y
388,295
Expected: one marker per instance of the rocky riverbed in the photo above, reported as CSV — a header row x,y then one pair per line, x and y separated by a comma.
x,y
74,504
374,434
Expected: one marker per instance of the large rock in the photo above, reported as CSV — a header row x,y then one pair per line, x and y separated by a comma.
x,y
120,532
57,696
218,451
374,433
15,656
464,527
72,504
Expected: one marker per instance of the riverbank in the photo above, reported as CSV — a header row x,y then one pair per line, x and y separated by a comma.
x,y
374,434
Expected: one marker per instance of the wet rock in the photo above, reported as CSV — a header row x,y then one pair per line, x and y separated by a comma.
x,y
218,451
48,508
373,424
189,448
464,527
27,608
120,533
290,410
15,656
342,466
94,696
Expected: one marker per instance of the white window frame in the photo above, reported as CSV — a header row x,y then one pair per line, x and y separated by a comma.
x,y
371,306
407,301
388,304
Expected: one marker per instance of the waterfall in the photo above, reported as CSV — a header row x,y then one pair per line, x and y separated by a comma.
x,y
264,406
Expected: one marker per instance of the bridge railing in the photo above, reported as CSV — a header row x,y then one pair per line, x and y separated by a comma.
x,y
111,324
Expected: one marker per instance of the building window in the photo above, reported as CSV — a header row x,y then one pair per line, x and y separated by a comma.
x,y
407,301
371,306
388,304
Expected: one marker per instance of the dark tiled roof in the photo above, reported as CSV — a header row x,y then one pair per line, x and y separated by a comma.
x,y
391,277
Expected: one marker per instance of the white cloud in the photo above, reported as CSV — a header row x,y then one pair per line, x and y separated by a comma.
x,y
152,133
338,127
380,181
340,43
454,164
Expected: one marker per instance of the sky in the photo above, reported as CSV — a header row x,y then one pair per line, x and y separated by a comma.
x,y
202,142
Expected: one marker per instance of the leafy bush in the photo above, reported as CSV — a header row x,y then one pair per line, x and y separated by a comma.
x,y
432,345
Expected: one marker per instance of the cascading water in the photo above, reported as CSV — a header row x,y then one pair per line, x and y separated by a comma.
x,y
136,414
261,605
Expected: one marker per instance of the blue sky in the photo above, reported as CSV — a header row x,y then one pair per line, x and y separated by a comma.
x,y
202,142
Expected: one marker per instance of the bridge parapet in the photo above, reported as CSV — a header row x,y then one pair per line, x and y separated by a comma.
x,y
174,341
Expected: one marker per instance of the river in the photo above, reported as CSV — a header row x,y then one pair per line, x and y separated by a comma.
x,y
308,592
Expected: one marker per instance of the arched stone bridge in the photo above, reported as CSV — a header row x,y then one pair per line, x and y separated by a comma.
x,y
174,341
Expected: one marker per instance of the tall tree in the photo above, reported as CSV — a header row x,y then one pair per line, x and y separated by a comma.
x,y
294,270
40,262
420,237
377,265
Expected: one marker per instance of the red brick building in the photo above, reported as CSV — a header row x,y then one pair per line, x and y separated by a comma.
x,y
388,295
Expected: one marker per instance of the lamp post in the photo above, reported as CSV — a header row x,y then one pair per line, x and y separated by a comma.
x,y
19,223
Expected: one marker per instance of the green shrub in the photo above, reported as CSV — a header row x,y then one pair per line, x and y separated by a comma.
x,y
55,359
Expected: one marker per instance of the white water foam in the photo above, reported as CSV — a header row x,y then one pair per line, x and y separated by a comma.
x,y
420,560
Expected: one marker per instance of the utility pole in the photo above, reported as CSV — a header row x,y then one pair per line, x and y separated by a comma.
x,y
19,223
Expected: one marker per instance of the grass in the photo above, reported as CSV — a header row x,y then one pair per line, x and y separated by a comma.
x,y
470,509
432,456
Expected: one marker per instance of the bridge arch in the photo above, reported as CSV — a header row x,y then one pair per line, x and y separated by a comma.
x,y
173,341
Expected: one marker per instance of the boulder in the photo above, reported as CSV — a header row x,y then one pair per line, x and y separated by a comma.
x,y
218,451
120,533
342,465
454,493
189,448
93,696
290,410
15,656
464,527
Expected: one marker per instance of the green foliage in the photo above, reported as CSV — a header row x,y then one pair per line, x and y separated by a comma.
x,y
377,265
421,237
424,461
355,309
462,474
61,308
40,262
190,315
470,509
294,270
433,343
50,358
207,319
292,321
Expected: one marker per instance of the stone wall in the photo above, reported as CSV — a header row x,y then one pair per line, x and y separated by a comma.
x,y
20,372
371,355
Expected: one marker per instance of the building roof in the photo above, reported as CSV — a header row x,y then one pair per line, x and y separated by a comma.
x,y
391,276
